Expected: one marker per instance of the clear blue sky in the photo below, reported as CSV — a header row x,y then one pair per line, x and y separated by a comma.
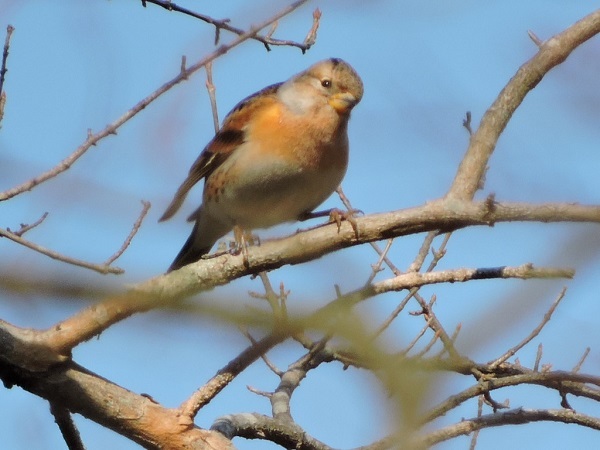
x,y
76,66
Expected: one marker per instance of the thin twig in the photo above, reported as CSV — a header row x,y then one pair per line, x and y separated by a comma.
x,y
376,268
223,24
93,139
439,253
536,40
473,443
259,392
538,357
100,268
432,341
418,279
417,264
453,338
277,302
374,245
227,374
2,105
25,227
419,335
577,367
210,87
496,406
397,310
311,37
3,69
534,332
263,356
132,233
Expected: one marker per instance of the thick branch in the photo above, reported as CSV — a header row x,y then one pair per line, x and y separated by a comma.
x,y
258,426
135,416
306,246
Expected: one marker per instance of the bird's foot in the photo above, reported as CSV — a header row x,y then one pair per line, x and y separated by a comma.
x,y
335,215
242,240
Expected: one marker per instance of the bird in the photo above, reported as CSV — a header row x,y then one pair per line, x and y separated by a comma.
x,y
278,155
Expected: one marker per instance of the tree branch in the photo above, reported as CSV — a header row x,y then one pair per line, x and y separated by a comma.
x,y
258,426
208,273
483,142
135,416
223,24
111,129
512,417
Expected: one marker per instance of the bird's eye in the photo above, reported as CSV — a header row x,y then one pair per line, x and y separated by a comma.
x,y
326,83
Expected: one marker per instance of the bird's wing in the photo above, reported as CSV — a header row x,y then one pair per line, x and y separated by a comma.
x,y
231,135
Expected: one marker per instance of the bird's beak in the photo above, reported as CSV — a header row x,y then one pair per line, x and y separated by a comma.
x,y
343,102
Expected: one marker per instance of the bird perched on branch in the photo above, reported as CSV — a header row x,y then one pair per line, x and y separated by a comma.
x,y
280,153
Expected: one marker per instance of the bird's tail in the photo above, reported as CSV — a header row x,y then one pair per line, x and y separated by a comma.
x,y
206,232
190,252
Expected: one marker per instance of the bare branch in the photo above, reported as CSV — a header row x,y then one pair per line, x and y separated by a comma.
x,y
536,40
551,53
227,374
566,381
67,427
210,87
3,69
132,233
534,332
311,37
577,367
258,426
418,262
111,129
25,227
135,416
409,280
374,245
291,379
224,24
208,273
467,123
100,268
473,443
376,268
416,339
264,357
538,357
513,417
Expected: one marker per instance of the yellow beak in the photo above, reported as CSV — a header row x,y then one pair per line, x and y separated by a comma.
x,y
343,102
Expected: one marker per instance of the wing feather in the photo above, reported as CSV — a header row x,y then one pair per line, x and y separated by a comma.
x,y
228,138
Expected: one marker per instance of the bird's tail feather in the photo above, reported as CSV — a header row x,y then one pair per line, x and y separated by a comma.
x,y
191,251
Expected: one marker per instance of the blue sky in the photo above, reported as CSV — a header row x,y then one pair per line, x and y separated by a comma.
x,y
76,66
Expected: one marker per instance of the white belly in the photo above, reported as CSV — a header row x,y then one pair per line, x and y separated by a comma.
x,y
261,202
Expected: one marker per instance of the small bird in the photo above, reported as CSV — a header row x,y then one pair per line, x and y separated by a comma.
x,y
279,154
